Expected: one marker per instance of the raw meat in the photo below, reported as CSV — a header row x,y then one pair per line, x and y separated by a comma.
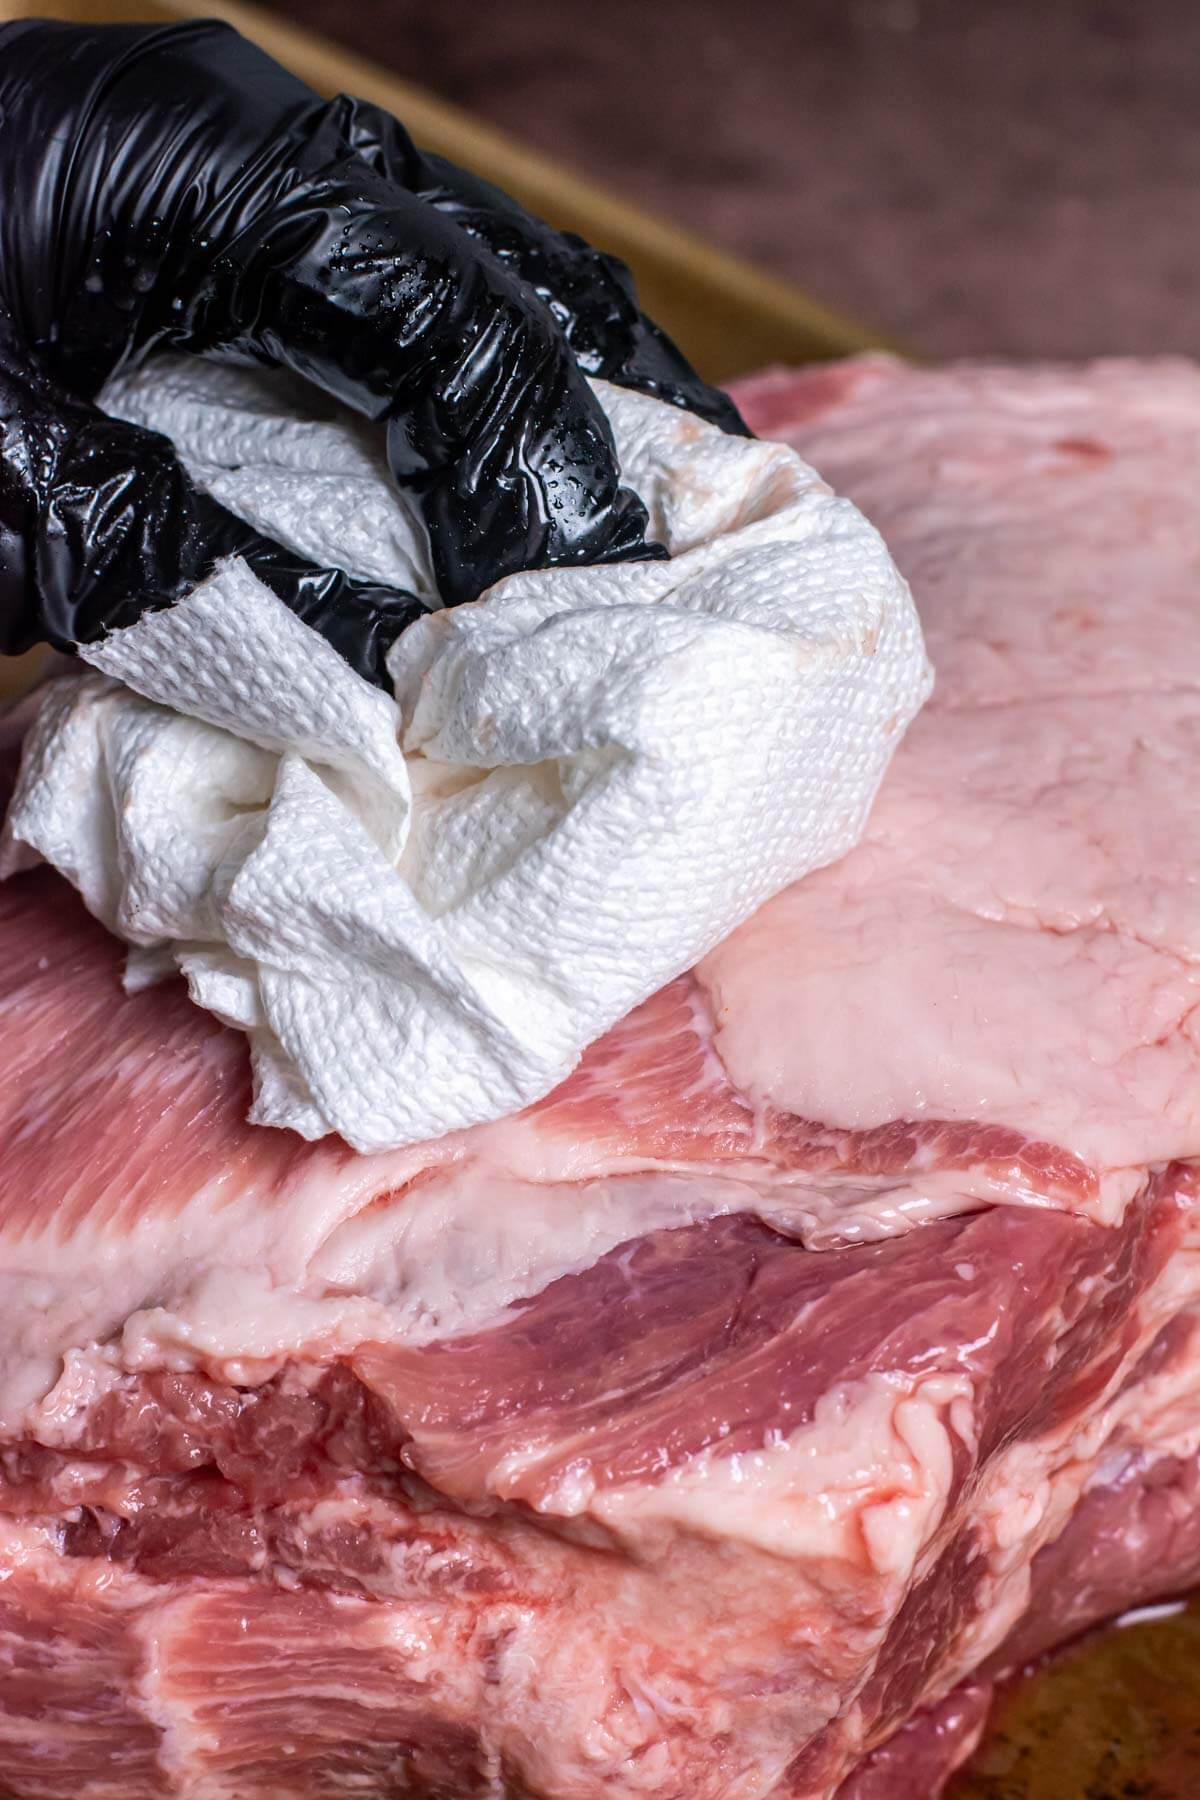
x,y
723,1425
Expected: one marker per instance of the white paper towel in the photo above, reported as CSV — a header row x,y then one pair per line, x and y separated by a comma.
x,y
421,911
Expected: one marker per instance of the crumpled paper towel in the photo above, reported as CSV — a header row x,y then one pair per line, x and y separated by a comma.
x,y
422,911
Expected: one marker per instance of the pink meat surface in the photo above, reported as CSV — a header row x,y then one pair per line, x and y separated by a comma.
x,y
721,1427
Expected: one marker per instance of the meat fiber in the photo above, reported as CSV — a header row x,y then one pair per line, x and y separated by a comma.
x,y
723,1426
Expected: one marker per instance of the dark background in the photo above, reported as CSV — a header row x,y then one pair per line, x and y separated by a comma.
x,y
1019,177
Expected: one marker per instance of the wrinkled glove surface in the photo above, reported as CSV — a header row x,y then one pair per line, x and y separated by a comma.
x,y
175,188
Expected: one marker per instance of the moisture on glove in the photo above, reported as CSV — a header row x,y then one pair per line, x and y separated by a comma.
x,y
175,188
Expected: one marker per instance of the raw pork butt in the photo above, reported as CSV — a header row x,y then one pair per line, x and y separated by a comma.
x,y
721,1427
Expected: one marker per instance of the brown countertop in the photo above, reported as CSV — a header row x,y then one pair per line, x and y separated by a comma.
x,y
1012,177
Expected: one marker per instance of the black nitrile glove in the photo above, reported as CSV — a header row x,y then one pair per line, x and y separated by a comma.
x,y
175,188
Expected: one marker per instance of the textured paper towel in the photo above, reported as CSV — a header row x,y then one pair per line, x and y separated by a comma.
x,y
422,911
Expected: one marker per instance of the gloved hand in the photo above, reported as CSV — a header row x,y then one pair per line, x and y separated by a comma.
x,y
175,188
